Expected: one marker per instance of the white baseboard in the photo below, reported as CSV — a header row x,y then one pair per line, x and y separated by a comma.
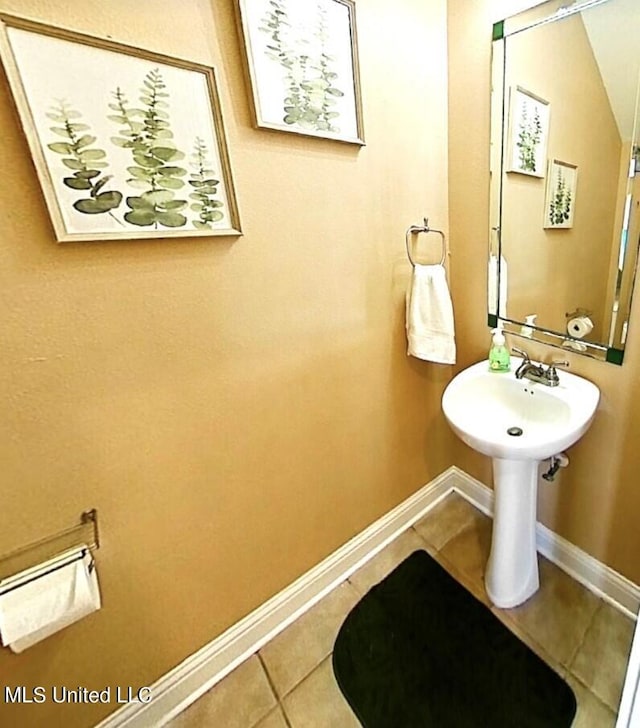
x,y
180,687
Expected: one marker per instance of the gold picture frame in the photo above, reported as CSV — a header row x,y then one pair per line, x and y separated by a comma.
x,y
127,143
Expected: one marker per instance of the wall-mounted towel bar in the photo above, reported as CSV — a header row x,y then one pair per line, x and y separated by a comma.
x,y
415,230
83,534
26,577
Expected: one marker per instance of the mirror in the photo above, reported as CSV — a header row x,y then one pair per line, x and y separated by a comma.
x,y
565,174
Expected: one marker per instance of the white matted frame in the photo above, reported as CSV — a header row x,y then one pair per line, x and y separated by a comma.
x,y
560,197
302,64
528,133
126,143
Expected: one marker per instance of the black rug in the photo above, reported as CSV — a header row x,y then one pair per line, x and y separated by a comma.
x,y
419,651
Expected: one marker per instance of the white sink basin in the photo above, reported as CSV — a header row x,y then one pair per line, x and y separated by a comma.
x,y
517,423
482,407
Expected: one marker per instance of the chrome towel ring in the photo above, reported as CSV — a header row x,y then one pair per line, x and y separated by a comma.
x,y
416,229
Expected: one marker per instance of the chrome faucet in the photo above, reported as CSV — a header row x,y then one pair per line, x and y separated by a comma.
x,y
528,369
537,372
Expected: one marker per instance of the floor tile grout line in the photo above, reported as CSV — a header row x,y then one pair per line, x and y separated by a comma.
x,y
595,696
284,715
459,529
266,672
279,703
306,677
280,698
423,539
575,676
580,644
278,708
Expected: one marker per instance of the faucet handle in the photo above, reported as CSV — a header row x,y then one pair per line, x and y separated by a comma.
x,y
522,353
551,375
559,363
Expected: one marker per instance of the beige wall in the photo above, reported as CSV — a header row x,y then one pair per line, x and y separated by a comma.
x,y
625,186
595,503
565,265
234,409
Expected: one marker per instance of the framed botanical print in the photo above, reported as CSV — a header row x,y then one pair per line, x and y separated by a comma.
x,y
560,198
528,133
302,63
126,143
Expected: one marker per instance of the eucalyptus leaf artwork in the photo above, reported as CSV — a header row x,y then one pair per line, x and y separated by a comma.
x,y
529,134
528,131
205,186
560,204
302,62
127,144
560,196
311,84
87,161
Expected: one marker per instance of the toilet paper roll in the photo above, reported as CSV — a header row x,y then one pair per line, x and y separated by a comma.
x,y
42,601
579,326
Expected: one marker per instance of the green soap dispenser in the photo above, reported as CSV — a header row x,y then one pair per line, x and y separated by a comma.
x,y
499,359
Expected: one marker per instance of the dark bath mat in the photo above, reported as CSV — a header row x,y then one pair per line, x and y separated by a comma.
x,y
419,651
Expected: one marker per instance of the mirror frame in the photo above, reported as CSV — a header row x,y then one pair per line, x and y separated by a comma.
x,y
519,22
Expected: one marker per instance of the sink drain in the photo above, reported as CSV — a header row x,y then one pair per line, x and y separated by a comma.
x,y
514,431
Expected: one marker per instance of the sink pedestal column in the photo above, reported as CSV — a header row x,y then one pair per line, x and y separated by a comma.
x,y
512,571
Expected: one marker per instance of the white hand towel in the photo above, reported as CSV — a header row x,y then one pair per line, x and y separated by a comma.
x,y
430,330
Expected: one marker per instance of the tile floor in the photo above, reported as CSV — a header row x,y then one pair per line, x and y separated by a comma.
x,y
289,683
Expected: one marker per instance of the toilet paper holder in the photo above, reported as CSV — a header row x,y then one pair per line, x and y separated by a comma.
x,y
84,534
577,313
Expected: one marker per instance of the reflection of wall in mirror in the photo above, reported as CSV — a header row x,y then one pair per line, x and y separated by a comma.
x,y
631,255
555,271
619,291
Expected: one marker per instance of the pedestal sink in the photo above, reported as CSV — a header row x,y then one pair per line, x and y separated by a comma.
x,y
517,423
